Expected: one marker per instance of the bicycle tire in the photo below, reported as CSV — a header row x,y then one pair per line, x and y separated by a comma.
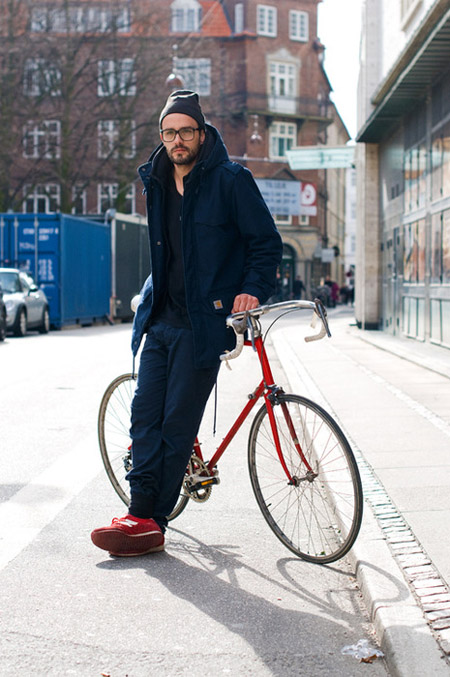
x,y
318,518
114,438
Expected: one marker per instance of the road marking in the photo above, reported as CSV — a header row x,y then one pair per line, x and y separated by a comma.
x,y
37,504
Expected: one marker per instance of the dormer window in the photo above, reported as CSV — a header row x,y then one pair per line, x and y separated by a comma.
x,y
186,16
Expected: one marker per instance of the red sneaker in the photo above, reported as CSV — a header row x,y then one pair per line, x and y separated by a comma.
x,y
129,536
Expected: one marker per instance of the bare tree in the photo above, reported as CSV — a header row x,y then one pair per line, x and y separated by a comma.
x,y
80,88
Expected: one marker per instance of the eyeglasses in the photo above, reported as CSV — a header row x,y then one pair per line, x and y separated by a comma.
x,y
185,133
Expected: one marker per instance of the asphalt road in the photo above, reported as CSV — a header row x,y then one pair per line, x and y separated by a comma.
x,y
225,597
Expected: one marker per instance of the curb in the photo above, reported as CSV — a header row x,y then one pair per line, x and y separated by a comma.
x,y
410,648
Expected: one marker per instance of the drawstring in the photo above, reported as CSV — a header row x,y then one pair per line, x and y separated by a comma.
x,y
133,375
215,410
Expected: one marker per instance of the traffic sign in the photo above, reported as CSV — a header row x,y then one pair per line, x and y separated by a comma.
x,y
321,157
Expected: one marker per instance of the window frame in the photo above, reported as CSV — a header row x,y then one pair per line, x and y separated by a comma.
x,y
185,16
110,130
276,134
40,77
265,16
296,17
113,188
199,69
119,75
80,19
42,132
41,192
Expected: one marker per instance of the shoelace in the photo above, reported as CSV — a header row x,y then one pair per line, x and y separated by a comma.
x,y
124,520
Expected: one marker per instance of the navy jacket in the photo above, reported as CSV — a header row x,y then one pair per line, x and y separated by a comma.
x,y
229,240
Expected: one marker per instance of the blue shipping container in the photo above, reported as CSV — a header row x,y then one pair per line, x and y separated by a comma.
x,y
69,258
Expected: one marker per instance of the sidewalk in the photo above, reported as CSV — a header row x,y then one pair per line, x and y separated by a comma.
x,y
391,397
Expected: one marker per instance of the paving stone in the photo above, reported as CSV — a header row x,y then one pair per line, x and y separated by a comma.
x,y
432,599
442,624
414,560
431,582
436,615
414,571
424,593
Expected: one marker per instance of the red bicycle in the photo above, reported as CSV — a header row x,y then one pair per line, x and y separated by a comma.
x,y
304,475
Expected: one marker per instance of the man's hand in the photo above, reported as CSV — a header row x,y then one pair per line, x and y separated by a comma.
x,y
244,302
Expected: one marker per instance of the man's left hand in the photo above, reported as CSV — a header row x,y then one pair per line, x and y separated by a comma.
x,y
244,302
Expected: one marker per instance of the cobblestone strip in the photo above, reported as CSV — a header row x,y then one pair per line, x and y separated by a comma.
x,y
430,591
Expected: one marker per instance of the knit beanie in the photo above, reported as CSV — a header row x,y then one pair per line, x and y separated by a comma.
x,y
186,102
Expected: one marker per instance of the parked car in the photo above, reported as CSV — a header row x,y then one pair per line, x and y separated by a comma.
x,y
26,304
2,317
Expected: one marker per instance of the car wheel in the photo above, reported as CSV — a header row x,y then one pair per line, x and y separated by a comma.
x,y
44,327
20,325
3,328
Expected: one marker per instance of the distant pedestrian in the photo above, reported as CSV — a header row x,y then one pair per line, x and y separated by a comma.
x,y
299,287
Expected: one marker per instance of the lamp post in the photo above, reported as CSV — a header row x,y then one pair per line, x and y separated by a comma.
x,y
174,81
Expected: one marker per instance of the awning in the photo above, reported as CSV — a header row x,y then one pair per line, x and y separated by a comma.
x,y
422,61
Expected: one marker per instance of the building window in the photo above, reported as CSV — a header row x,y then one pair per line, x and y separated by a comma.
x,y
116,77
239,17
116,139
266,20
41,77
79,200
108,194
196,74
282,137
186,16
283,219
298,25
42,198
282,87
79,19
42,139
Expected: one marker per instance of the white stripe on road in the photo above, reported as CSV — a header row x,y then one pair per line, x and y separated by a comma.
x,y
32,508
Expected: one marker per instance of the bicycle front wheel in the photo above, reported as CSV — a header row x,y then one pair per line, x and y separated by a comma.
x,y
114,438
316,511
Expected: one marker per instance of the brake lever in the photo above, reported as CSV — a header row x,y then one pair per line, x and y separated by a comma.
x,y
319,311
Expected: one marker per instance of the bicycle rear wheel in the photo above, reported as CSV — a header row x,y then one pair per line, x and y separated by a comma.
x,y
114,438
317,515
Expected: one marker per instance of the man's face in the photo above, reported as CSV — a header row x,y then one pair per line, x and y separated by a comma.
x,y
182,152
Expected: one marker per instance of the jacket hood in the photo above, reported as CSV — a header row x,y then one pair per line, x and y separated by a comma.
x,y
212,153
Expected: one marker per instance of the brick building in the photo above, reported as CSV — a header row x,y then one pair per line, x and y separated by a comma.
x,y
82,94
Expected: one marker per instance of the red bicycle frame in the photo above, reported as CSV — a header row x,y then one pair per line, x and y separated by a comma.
x,y
267,389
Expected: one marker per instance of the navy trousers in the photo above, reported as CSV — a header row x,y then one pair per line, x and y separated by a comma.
x,y
166,412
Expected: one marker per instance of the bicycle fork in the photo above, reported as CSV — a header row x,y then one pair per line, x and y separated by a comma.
x,y
271,398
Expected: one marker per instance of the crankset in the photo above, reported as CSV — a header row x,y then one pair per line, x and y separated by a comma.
x,y
198,482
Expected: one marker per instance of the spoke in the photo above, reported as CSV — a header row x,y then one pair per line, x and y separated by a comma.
x,y
316,514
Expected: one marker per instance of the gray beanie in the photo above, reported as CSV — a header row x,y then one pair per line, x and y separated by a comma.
x,y
186,102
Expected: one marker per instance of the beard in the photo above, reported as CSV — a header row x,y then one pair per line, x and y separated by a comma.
x,y
188,156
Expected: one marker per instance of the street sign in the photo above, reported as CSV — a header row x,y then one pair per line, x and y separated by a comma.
x,y
321,157
289,198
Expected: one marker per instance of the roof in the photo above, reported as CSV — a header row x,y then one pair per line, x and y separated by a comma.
x,y
425,57
214,22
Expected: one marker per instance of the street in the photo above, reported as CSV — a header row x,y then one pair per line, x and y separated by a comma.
x,y
225,597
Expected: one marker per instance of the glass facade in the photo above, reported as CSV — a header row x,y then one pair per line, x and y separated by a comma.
x,y
415,221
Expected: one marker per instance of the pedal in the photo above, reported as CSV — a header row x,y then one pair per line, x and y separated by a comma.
x,y
202,483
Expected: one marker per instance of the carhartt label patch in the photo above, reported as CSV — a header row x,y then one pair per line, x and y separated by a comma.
x,y
218,305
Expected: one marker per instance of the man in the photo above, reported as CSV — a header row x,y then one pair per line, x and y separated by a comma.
x,y
214,250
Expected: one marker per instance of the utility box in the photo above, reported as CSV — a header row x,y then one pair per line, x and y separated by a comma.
x,y
130,257
69,258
